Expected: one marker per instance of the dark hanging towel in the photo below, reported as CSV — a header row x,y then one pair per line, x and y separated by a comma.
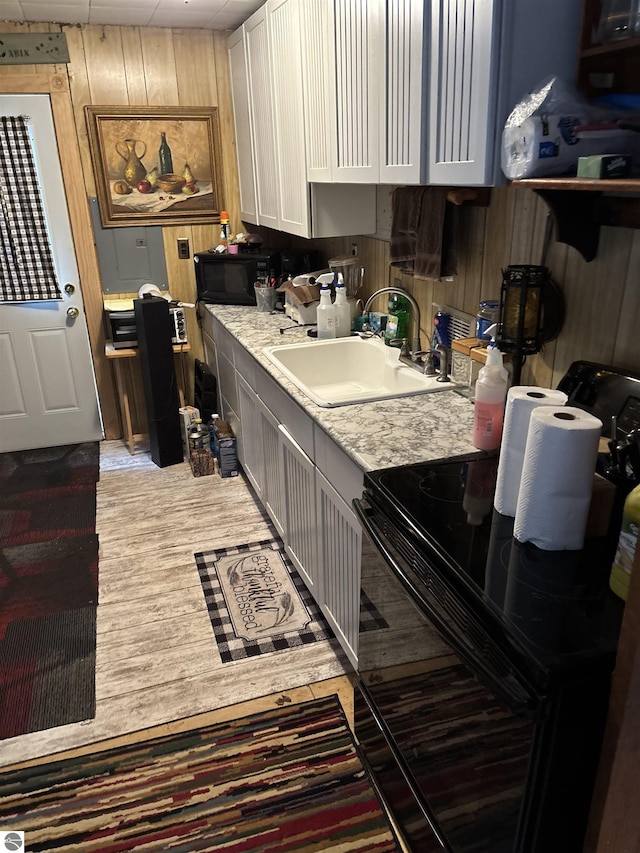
x,y
423,232
27,272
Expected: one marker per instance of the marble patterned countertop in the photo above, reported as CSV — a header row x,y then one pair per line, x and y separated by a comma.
x,y
383,434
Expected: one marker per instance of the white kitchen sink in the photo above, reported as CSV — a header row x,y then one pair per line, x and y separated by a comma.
x,y
350,370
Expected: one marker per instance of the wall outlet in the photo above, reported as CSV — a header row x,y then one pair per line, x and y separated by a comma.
x,y
183,248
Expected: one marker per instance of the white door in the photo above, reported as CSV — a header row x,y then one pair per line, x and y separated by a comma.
x,y
48,393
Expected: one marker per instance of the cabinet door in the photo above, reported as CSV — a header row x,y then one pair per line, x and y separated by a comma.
x,y
319,72
403,156
250,451
242,120
262,119
273,490
301,525
283,17
339,544
341,90
357,61
463,86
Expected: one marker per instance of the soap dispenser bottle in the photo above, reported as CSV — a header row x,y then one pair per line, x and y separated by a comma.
x,y
326,315
490,394
342,309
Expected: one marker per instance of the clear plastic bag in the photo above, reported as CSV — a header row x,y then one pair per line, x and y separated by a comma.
x,y
547,131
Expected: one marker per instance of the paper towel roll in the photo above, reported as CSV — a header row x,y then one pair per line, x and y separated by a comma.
x,y
521,401
557,477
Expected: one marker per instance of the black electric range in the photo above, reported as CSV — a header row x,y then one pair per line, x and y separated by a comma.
x,y
481,704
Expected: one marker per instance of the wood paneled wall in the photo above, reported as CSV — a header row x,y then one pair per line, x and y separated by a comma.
x,y
147,66
126,66
602,297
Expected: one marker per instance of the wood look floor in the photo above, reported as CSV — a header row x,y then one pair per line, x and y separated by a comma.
x,y
157,661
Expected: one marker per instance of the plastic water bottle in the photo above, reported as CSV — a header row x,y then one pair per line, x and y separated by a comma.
x,y
326,315
342,311
211,426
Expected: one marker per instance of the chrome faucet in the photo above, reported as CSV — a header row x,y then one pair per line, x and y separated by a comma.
x,y
416,351
445,363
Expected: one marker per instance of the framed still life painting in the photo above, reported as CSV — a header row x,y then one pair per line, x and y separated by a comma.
x,y
156,166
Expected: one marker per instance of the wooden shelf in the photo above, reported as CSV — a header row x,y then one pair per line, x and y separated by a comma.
x,y
611,48
580,207
615,185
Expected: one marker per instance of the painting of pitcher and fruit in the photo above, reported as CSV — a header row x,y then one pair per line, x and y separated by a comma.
x,y
156,166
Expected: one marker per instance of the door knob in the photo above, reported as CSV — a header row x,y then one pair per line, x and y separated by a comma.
x,y
69,289
73,312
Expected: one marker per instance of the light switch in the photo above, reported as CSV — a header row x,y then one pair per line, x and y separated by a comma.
x,y
183,248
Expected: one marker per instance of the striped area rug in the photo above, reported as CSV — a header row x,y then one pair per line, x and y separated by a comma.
x,y
280,781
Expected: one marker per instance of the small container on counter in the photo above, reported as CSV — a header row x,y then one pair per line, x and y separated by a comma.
x,y
198,436
488,314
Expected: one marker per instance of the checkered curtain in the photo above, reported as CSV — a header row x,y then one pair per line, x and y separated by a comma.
x,y
26,262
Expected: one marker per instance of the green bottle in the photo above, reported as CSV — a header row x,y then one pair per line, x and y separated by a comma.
x,y
164,156
398,318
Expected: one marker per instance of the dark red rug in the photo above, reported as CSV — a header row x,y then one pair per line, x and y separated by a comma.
x,y
48,587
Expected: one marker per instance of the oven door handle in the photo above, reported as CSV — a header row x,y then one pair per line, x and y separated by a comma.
x,y
517,698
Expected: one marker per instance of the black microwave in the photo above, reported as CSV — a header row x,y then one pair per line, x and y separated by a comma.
x,y
224,279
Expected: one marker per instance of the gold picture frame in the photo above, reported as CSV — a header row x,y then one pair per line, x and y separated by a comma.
x,y
130,171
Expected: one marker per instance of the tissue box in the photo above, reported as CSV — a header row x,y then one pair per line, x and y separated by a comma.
x,y
604,166
226,449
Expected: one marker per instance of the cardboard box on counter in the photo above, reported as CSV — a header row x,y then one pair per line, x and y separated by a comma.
x,y
202,462
226,449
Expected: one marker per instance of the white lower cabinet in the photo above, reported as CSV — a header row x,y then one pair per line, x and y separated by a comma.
x,y
339,546
301,527
273,488
304,480
306,483
249,452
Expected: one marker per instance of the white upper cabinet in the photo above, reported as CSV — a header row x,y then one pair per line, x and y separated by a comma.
x,y
403,84
256,37
341,66
484,56
365,90
241,111
273,133
288,114
417,91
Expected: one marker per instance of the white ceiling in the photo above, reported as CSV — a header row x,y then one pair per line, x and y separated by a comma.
x,y
209,14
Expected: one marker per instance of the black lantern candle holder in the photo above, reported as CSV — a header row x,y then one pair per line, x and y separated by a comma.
x,y
521,301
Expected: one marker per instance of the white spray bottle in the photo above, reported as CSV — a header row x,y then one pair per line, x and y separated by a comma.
x,y
490,394
342,309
